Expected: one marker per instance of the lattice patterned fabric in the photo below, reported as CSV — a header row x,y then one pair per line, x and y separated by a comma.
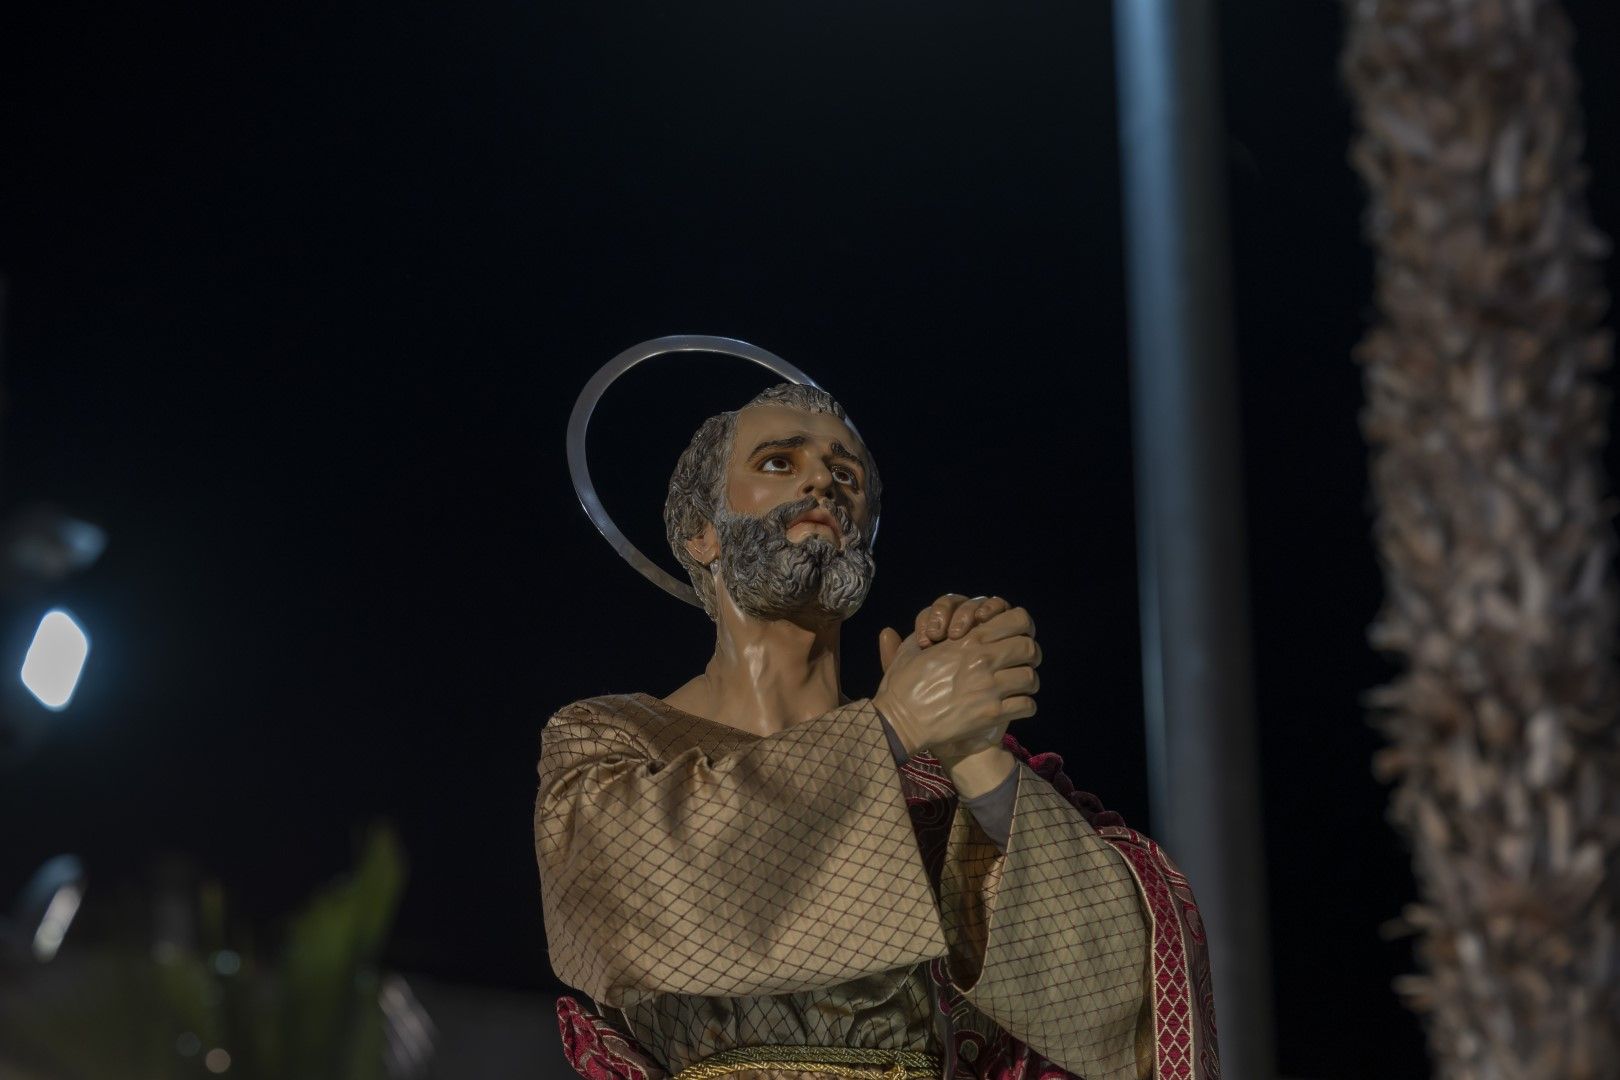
x,y
711,889
1177,1038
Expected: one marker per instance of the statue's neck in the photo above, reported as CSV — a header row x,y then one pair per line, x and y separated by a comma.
x,y
765,675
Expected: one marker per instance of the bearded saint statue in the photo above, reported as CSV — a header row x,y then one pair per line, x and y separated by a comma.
x,y
758,876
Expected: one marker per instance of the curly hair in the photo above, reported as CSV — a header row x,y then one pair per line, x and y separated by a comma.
x,y
697,490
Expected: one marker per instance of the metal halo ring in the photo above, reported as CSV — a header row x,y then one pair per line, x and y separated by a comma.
x,y
579,420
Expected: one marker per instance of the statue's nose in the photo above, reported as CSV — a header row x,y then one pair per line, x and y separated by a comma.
x,y
818,482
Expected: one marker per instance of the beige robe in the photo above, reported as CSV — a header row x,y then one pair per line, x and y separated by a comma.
x,y
711,888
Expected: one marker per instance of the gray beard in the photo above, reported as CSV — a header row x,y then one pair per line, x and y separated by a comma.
x,y
771,577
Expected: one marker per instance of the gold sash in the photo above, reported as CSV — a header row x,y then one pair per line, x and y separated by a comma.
x,y
840,1061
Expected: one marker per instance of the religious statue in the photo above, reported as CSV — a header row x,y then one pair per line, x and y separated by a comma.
x,y
756,876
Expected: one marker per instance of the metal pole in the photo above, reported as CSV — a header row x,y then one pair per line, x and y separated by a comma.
x,y
1202,747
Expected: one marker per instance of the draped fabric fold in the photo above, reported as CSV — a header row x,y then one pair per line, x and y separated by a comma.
x,y
711,888
1174,1032
778,865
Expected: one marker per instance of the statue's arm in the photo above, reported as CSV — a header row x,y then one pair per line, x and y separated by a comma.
x,y
992,810
1049,937
786,865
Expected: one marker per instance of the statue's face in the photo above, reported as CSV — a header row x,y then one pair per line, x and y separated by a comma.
x,y
791,541
783,455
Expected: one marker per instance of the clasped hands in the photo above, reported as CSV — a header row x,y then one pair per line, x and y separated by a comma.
x,y
967,670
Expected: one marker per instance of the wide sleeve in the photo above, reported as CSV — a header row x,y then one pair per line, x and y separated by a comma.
x,y
786,865
1048,939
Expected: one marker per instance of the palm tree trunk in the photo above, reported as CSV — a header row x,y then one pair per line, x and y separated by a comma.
x,y
1486,425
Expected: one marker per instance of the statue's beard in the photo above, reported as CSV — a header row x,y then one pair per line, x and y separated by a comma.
x,y
771,577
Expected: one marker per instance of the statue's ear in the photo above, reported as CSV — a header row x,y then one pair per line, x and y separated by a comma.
x,y
705,546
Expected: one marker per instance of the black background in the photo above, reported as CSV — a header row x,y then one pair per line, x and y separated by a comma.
x,y
301,296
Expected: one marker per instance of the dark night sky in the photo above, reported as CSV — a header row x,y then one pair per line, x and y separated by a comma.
x,y
301,296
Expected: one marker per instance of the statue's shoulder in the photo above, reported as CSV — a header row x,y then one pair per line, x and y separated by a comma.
x,y
651,723
605,705
640,715
613,709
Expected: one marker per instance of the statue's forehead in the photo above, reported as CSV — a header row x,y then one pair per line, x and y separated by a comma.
x,y
759,423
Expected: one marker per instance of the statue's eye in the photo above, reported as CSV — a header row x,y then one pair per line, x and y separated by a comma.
x,y
844,475
776,464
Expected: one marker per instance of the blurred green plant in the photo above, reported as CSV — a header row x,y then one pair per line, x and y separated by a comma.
x,y
166,1012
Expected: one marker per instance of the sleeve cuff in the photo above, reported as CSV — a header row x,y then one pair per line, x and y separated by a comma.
x,y
994,810
895,745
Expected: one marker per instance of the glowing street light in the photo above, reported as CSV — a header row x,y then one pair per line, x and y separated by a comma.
x,y
55,659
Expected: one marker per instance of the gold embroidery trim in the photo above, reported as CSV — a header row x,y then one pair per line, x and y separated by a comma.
x,y
840,1061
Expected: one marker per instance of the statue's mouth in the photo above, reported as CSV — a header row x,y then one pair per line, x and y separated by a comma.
x,y
818,516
